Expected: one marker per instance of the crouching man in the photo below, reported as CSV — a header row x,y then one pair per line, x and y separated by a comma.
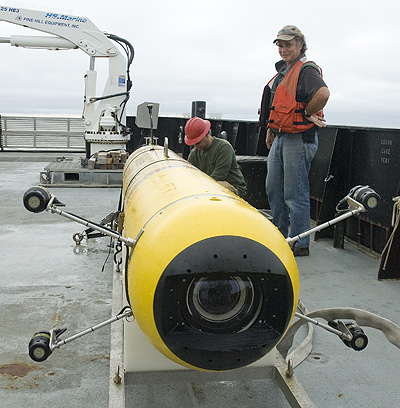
x,y
213,156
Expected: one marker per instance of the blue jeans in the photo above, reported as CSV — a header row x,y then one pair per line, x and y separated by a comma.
x,y
287,184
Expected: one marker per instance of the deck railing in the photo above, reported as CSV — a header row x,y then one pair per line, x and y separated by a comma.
x,y
42,134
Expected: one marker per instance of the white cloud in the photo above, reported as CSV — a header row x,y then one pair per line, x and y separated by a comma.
x,y
220,51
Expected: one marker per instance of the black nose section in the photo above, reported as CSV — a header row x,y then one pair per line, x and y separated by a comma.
x,y
223,303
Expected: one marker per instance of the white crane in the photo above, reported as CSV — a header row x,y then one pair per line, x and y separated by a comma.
x,y
104,116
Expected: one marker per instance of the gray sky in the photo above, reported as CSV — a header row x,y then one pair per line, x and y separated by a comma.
x,y
220,51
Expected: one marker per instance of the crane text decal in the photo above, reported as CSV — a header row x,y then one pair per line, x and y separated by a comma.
x,y
66,17
10,9
48,22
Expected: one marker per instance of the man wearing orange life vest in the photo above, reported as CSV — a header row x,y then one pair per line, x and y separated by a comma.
x,y
291,111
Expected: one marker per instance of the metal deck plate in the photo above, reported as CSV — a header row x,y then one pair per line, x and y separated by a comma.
x,y
69,172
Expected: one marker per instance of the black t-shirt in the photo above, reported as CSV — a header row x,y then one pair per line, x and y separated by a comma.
x,y
309,82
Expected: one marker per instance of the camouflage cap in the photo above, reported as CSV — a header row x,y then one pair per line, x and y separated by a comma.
x,y
288,32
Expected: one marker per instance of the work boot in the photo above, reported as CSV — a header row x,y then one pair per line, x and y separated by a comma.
x,y
300,251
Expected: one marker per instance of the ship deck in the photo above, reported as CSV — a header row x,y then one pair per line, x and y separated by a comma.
x,y
47,281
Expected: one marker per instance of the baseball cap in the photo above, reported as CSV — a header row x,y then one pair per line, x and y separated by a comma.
x,y
288,32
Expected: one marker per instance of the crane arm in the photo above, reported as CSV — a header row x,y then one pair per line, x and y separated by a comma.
x,y
78,30
104,116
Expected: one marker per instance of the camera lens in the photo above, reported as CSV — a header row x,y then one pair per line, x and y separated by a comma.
x,y
226,302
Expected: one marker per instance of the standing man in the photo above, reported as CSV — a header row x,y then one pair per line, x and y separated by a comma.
x,y
291,111
213,156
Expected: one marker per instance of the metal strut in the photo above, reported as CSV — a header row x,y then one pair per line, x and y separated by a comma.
x,y
344,334
44,343
106,231
358,208
57,344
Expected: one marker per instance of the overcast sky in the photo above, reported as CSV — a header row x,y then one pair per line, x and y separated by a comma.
x,y
219,51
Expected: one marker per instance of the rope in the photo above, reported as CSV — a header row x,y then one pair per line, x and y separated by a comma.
x,y
395,225
302,351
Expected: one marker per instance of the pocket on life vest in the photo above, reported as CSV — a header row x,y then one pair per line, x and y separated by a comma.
x,y
283,102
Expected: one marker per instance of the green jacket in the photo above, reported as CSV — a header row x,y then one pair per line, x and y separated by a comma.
x,y
219,162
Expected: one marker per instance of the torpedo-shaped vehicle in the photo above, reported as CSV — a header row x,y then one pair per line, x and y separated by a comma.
x,y
210,281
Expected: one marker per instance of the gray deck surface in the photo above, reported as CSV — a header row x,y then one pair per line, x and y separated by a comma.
x,y
47,282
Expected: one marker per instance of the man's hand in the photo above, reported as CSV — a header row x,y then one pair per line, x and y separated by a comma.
x,y
317,102
270,138
317,120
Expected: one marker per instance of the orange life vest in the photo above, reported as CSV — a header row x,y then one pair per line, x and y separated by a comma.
x,y
286,113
